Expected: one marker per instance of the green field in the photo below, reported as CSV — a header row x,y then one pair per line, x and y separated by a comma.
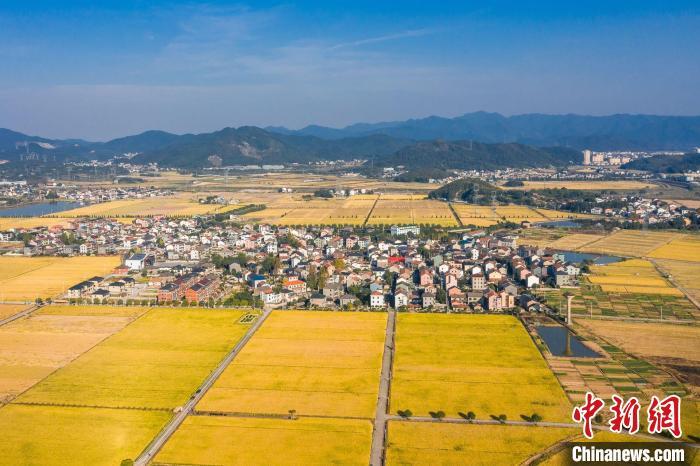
x,y
155,362
591,298
245,441
50,435
482,363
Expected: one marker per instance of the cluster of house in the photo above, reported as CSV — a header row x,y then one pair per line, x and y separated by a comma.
x,y
651,211
91,195
173,260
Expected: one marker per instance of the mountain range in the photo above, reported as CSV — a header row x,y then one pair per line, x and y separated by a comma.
x,y
613,132
476,140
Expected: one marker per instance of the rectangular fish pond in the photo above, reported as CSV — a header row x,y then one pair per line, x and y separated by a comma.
x,y
561,342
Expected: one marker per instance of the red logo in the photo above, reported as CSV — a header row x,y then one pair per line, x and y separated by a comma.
x,y
665,415
587,412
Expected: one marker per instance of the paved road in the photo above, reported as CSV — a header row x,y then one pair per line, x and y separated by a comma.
x,y
157,443
19,315
380,416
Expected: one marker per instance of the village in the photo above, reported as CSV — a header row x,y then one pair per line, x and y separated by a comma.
x,y
194,262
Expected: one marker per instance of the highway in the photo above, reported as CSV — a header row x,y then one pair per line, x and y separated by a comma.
x,y
380,416
157,443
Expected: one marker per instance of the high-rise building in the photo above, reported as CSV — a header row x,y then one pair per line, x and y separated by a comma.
x,y
586,157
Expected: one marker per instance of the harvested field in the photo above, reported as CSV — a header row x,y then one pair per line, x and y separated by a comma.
x,y
448,444
27,278
573,242
482,363
51,435
179,205
650,340
631,243
33,347
156,362
245,441
317,363
7,310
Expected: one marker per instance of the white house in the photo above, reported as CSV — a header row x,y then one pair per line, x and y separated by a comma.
x,y
376,299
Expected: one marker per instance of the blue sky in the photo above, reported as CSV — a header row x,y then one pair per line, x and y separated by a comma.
x,y
104,69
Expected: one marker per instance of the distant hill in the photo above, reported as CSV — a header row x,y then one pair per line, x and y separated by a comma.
x,y
473,155
252,145
666,163
613,132
147,141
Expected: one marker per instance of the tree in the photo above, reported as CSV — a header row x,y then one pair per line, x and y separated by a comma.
x,y
535,417
292,413
127,462
406,413
437,414
339,264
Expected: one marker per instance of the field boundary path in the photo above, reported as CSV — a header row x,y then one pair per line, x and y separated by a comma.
x,y
164,435
454,213
20,314
668,276
381,415
369,214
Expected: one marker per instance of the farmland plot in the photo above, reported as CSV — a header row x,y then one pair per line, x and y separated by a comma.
x,y
482,363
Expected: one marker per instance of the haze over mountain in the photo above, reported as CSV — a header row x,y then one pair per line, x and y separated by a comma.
x,y
475,140
613,132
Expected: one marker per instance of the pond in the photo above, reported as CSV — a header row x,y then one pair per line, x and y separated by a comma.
x,y
38,209
561,342
559,224
578,257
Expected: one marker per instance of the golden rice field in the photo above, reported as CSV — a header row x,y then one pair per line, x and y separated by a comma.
x,y
386,209
482,363
623,185
155,362
306,182
449,444
685,274
179,205
9,223
631,276
287,209
477,215
631,243
33,347
317,363
62,436
482,216
411,211
686,248
245,441
28,278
